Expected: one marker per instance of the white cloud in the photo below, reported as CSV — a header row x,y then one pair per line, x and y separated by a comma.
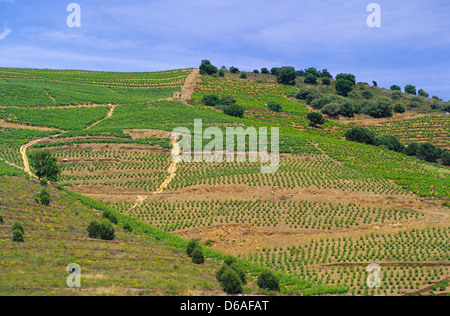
x,y
5,33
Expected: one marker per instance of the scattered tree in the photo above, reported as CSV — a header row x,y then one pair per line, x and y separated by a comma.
x,y
315,119
410,89
268,280
274,106
206,68
360,135
211,100
287,76
234,110
45,165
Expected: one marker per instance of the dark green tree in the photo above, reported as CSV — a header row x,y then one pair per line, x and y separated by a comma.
x,y
428,152
268,280
446,157
286,76
361,135
45,165
310,78
274,106
211,100
234,110
412,149
396,88
344,86
206,68
410,89
315,119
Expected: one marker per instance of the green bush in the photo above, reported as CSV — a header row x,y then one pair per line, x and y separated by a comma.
x,y
446,158
192,244
1,219
243,75
206,68
310,78
410,89
211,100
332,109
228,100
197,256
18,235
361,135
274,106
18,226
382,107
412,149
44,197
102,230
396,95
110,216
399,108
287,76
390,142
239,269
428,152
326,81
315,119
267,280
128,228
234,110
396,88
229,280
368,94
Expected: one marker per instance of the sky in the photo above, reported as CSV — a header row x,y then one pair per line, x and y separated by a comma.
x,y
412,45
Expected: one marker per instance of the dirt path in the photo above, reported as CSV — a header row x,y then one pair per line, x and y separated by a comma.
x,y
23,153
108,115
189,85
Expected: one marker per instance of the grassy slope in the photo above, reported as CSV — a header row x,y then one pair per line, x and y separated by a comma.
x,y
132,264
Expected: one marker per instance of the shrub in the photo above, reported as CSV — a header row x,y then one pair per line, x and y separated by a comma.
x,y
399,108
412,149
382,107
446,158
45,200
315,119
347,109
229,260
243,76
396,95
326,81
239,269
275,71
422,93
206,68
234,70
18,226
230,281
390,142
410,89
18,232
197,256
128,228
234,110
344,87
94,229
265,71
221,73
110,216
368,94
428,152
287,76
331,109
310,78
192,244
360,135
102,230
45,165
18,236
211,100
414,104
1,219
396,88
228,100
267,280
274,106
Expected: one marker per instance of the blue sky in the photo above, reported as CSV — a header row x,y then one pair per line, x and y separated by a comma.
x,y
412,46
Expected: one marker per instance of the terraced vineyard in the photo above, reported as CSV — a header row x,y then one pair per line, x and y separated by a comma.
x,y
433,129
414,261
288,216
332,208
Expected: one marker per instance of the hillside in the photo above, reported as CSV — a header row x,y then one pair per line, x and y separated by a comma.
x,y
333,207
